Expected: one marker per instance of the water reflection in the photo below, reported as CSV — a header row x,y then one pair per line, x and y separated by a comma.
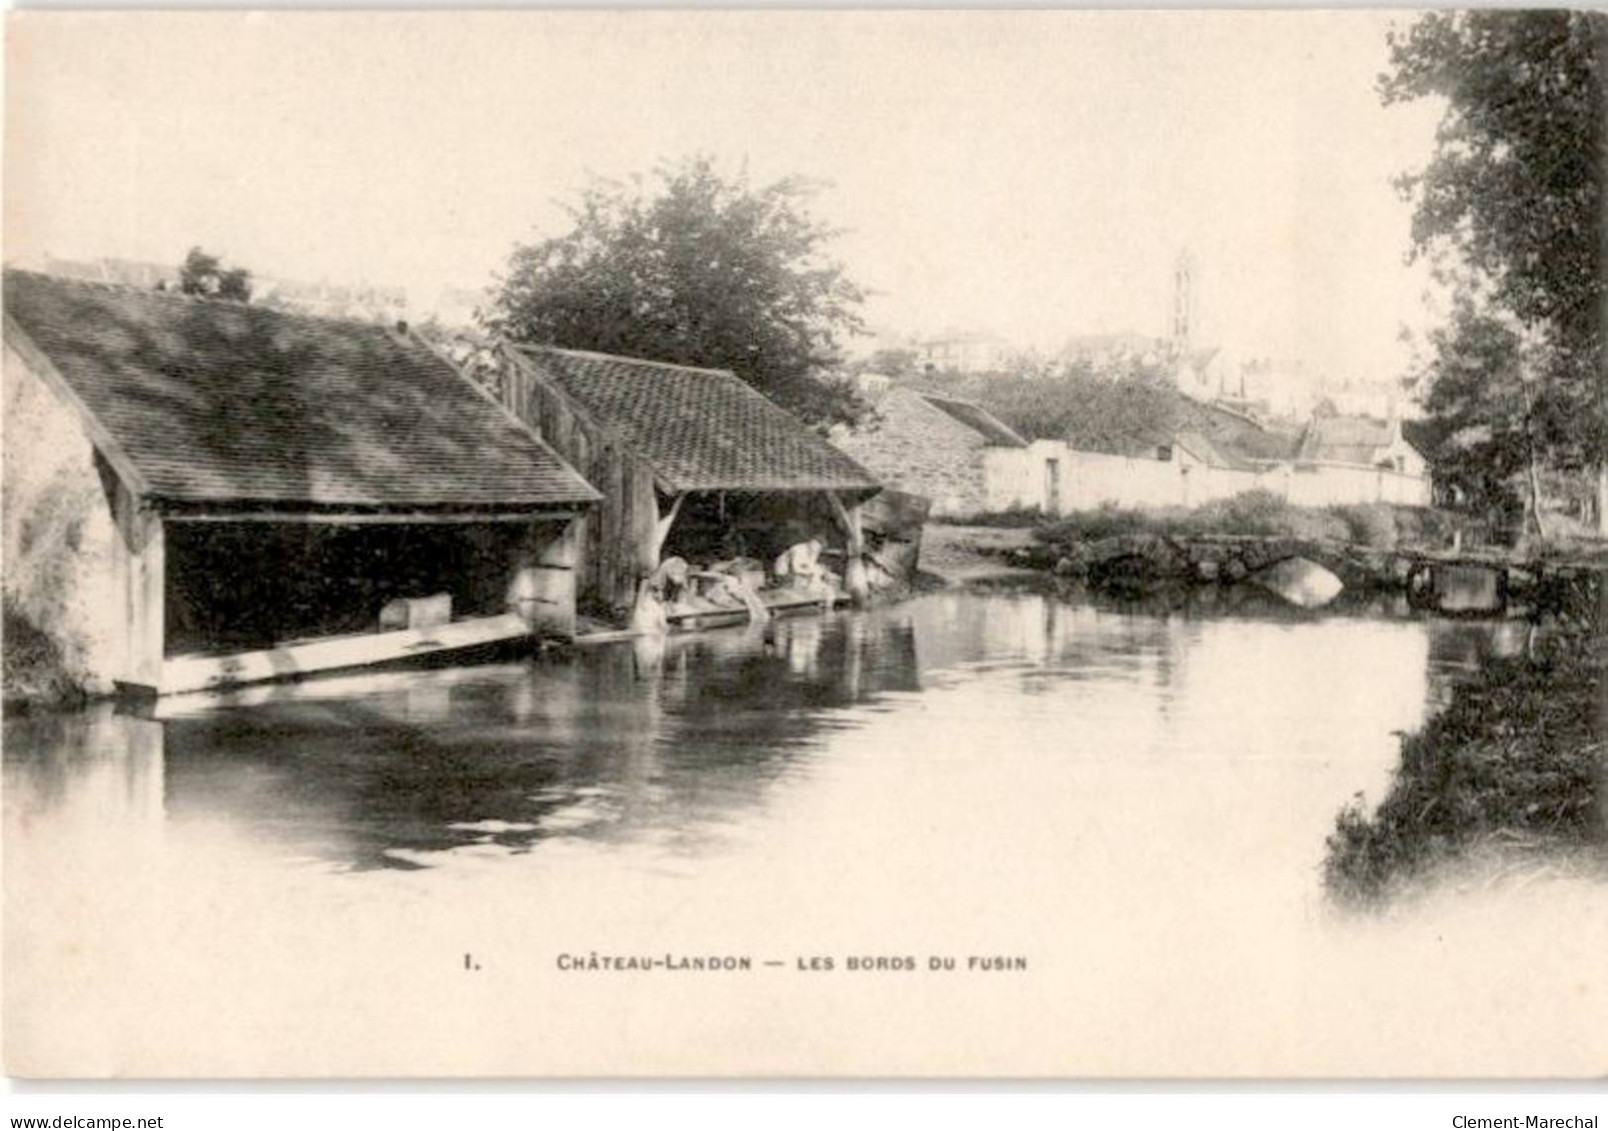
x,y
667,739
88,768
381,770
963,773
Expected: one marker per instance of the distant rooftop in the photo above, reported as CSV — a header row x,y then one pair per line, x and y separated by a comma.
x,y
1085,345
995,432
964,337
1346,439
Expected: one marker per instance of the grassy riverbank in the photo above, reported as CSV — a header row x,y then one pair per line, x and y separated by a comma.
x,y
1513,766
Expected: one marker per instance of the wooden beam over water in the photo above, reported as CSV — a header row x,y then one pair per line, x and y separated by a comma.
x,y
201,673
364,518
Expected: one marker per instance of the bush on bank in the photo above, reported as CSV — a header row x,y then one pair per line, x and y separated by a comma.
x,y
35,669
1015,518
1516,758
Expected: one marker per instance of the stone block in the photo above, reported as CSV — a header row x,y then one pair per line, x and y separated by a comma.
x,y
1468,589
416,612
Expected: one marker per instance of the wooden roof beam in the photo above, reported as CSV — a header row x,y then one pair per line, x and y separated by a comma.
x,y
362,518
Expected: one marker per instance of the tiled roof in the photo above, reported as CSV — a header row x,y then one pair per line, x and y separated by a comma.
x,y
215,402
1211,454
991,428
1233,434
1345,439
700,429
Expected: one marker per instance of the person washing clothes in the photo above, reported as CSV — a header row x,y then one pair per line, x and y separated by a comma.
x,y
656,593
800,567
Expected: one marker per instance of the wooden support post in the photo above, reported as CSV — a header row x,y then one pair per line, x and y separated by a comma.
x,y
667,519
150,594
541,588
854,577
141,562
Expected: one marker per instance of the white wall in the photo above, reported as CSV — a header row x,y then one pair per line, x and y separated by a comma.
x,y
60,561
1316,485
1017,477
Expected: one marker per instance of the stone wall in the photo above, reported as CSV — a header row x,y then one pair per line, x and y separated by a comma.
x,y
1437,581
1330,484
1020,477
914,447
60,572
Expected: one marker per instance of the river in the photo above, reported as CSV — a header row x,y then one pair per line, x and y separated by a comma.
x,y
400,872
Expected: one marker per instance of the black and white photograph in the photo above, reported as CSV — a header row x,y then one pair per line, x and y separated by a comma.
x,y
806,544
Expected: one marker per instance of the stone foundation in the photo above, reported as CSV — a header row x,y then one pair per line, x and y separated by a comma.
x,y
1435,582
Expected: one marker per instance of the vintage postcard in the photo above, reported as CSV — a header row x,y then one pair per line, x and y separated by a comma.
x,y
805,543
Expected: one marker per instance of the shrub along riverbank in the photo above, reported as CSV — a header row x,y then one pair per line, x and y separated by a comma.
x,y
36,672
1514,765
1252,513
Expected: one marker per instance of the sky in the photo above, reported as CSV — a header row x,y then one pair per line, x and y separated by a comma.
x,y
1033,174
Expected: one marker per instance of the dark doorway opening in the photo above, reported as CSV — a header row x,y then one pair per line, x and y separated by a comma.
x,y
240,586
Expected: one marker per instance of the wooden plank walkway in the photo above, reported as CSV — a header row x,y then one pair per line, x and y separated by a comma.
x,y
288,661
780,604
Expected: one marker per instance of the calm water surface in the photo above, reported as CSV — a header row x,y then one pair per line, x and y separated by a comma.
x,y
1134,804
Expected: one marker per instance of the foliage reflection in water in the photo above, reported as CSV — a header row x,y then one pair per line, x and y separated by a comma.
x,y
1003,772
668,737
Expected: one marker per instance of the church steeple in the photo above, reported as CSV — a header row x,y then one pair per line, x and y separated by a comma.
x,y
1182,328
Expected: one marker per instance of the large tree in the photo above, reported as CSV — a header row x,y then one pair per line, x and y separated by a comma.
x,y
1511,208
694,268
1487,417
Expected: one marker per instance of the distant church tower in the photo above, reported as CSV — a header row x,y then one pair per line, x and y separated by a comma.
x,y
1185,309
1189,362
